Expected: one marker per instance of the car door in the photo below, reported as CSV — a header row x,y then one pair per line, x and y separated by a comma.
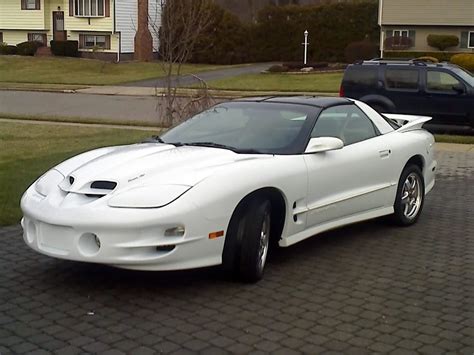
x,y
354,179
447,100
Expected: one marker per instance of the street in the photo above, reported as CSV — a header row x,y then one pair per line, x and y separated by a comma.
x,y
137,109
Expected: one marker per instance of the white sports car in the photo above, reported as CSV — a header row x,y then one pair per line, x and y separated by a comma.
x,y
226,184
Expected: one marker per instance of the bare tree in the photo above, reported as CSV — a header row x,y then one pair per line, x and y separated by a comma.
x,y
182,23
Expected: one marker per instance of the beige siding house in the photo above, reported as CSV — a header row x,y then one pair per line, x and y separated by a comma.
x,y
416,19
104,26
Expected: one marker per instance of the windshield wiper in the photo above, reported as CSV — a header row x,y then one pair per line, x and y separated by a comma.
x,y
223,146
153,139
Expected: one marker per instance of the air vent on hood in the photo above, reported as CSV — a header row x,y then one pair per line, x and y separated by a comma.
x,y
103,185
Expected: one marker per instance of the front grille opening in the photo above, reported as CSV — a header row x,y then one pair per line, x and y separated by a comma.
x,y
165,248
104,185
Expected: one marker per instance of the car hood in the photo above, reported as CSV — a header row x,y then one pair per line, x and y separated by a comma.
x,y
146,164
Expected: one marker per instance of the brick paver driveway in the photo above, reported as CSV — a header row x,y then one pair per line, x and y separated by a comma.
x,y
368,288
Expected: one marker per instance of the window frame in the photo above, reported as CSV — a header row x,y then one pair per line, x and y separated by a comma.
x,y
470,35
401,33
388,88
24,5
1,37
76,4
440,92
361,113
44,38
83,37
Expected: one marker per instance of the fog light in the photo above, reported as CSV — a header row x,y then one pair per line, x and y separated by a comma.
x,y
175,232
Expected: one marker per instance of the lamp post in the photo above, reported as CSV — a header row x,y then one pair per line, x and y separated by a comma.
x,y
306,47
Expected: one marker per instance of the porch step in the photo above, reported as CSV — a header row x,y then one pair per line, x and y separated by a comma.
x,y
43,52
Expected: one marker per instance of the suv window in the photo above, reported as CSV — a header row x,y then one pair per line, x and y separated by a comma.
x,y
402,79
438,81
346,122
361,76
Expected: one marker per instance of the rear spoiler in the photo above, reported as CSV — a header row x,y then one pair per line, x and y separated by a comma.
x,y
408,122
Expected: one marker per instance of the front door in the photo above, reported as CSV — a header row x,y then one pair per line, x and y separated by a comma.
x,y
59,34
351,180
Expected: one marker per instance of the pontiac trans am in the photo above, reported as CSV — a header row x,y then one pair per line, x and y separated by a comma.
x,y
226,185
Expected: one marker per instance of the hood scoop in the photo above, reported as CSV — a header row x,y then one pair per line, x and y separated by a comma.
x,y
93,189
100,188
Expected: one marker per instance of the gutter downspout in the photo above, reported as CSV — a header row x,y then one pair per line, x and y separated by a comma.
x,y
115,32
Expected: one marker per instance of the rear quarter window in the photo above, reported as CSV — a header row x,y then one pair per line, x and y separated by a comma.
x,y
359,75
402,79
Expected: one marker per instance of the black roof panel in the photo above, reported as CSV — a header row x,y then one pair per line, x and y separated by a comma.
x,y
316,101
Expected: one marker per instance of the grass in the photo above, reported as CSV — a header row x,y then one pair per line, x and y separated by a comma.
x,y
327,82
447,138
75,71
72,119
27,151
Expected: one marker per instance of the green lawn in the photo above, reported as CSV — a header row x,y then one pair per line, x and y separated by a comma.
x,y
329,82
28,150
16,69
447,138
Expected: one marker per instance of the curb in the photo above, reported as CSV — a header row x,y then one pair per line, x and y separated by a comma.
x,y
146,91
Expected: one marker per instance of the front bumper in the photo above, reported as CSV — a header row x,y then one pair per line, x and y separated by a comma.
x,y
122,237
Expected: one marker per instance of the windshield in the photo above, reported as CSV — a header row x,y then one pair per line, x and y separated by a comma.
x,y
465,75
244,127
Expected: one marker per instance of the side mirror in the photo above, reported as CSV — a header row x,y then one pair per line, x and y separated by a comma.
x,y
323,144
459,88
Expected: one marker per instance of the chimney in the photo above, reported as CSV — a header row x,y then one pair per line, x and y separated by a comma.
x,y
143,38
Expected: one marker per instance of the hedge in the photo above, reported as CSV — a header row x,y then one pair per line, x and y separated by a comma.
x,y
65,48
278,33
465,60
28,48
8,50
442,42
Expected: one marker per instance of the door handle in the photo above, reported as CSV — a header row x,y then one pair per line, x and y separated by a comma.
x,y
385,153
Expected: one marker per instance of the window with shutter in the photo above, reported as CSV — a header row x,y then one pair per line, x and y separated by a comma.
x,y
470,42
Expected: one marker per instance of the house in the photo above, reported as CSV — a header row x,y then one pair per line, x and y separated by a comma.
x,y
400,19
105,27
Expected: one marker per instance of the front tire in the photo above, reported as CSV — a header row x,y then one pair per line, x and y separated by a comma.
x,y
410,196
247,241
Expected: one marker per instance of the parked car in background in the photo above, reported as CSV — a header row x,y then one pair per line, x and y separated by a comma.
x,y
443,91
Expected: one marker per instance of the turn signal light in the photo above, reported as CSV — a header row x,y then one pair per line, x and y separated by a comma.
x,y
215,235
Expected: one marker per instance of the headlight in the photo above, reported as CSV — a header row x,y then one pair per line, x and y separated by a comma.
x,y
48,182
148,196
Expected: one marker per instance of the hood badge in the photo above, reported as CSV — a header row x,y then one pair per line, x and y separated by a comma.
x,y
136,177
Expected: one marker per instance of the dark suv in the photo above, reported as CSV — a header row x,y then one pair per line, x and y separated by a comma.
x,y
442,91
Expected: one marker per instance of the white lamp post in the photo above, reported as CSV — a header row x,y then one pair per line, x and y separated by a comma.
x,y
306,47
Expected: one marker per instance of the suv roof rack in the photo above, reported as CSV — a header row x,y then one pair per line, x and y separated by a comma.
x,y
379,61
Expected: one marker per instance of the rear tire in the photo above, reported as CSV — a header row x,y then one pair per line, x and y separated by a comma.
x,y
247,241
410,196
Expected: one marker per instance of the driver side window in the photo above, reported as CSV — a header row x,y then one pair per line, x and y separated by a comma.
x,y
346,122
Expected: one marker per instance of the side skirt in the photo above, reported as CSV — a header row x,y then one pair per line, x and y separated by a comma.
x,y
335,224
